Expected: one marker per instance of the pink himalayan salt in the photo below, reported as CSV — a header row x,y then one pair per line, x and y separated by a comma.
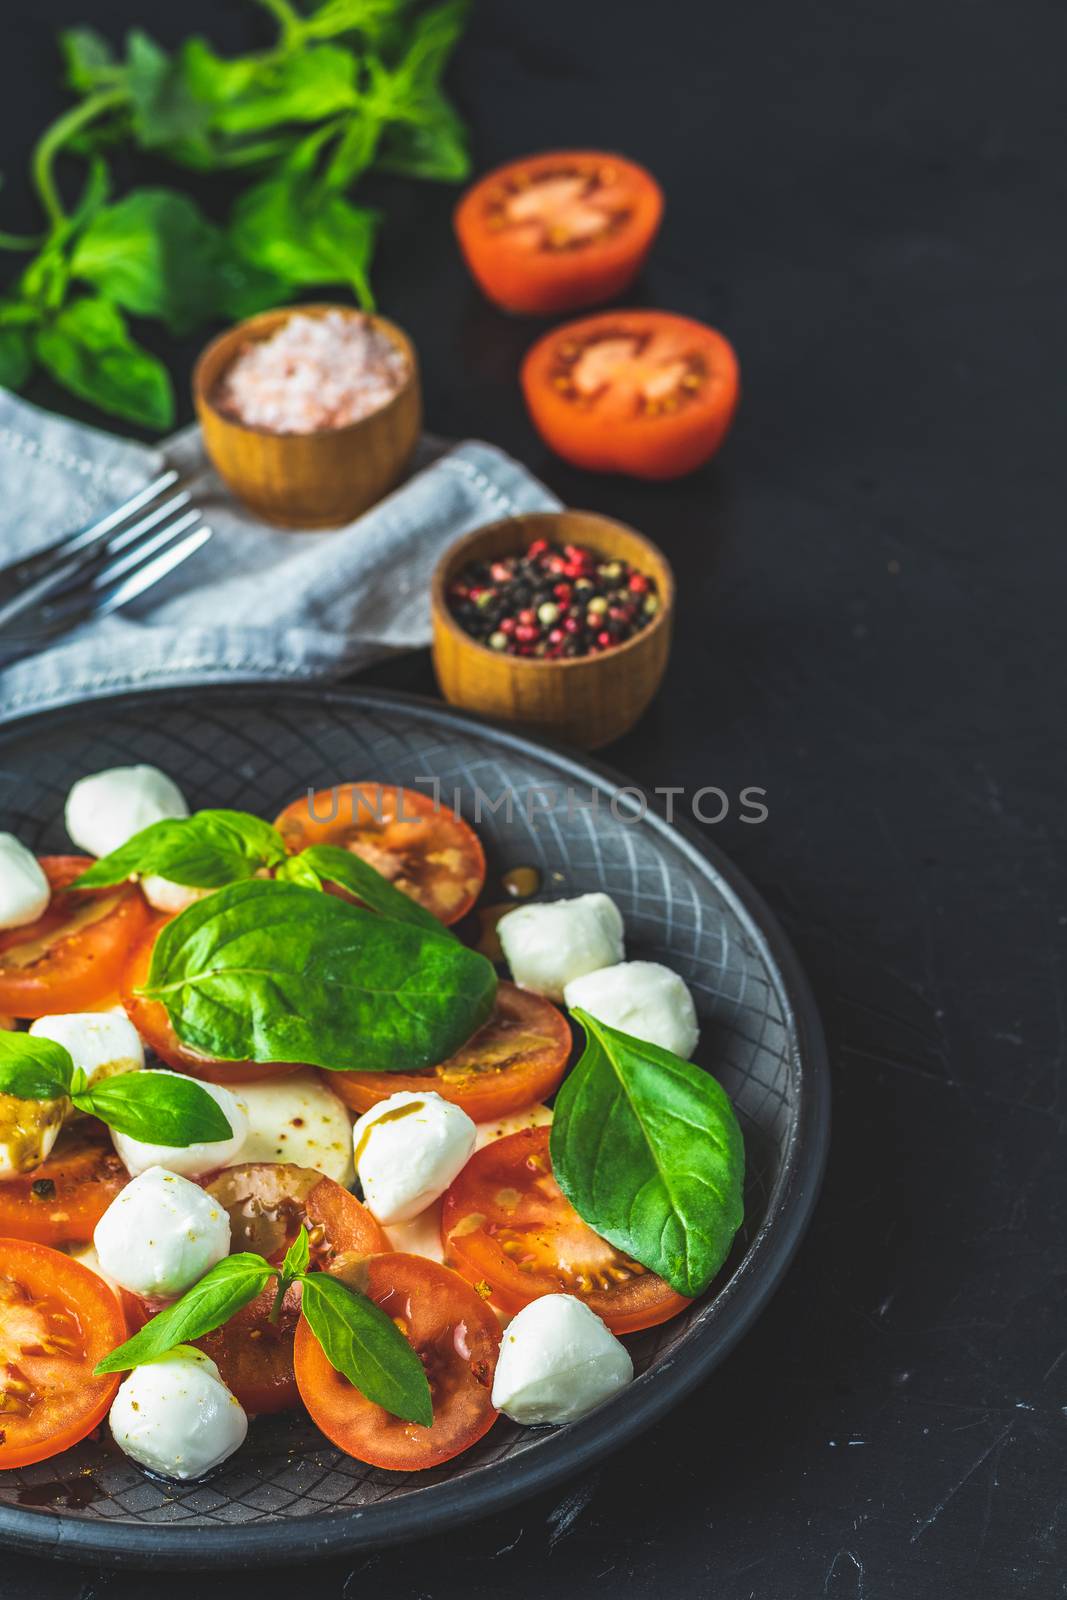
x,y
314,373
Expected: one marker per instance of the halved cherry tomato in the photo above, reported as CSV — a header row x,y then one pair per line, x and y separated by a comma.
x,y
558,231
57,1320
506,1223
255,1355
641,392
150,1019
517,1057
455,1335
62,1200
267,1202
422,847
72,956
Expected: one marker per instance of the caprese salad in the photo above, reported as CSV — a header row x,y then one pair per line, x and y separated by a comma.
x,y
272,1134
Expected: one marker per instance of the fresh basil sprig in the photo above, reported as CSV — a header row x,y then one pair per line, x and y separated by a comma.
x,y
344,86
204,851
647,1149
213,848
230,1284
330,863
269,971
356,1336
155,1107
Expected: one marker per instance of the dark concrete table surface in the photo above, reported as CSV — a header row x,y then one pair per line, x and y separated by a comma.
x,y
869,201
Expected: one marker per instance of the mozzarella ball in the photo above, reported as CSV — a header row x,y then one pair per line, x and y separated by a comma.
x,y
407,1151
548,945
163,895
24,891
28,1130
101,1043
421,1236
643,999
191,1160
558,1361
298,1118
176,1416
105,810
161,1234
536,1116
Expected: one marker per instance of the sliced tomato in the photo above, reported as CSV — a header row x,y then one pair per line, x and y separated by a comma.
x,y
422,847
641,392
505,1223
62,1200
558,231
57,1320
517,1058
267,1202
255,1355
457,1338
150,1019
72,957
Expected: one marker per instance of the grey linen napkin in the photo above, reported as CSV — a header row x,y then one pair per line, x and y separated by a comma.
x,y
255,603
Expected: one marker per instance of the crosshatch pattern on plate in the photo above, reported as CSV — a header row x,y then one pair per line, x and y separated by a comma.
x,y
233,751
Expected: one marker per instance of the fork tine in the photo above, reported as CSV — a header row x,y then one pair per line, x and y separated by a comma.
x,y
73,568
147,575
121,565
26,568
114,519
119,541
90,598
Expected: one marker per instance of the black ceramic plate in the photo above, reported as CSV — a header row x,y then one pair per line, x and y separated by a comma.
x,y
288,1494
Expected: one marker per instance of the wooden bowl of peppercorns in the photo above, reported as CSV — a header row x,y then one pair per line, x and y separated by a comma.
x,y
559,621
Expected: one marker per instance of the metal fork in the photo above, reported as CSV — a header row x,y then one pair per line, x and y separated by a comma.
x,y
97,569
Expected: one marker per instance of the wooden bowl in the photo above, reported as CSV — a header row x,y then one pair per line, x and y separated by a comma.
x,y
307,480
586,700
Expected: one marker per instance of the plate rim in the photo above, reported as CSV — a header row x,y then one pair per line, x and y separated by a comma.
x,y
73,1536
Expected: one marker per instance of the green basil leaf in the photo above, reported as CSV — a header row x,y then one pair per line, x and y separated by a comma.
x,y
295,869
168,113
434,147
370,18
16,356
89,59
229,1285
88,349
286,227
155,254
204,851
156,1108
297,1256
33,1068
351,872
425,137
307,85
268,971
243,289
356,149
648,1151
363,1343
213,80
